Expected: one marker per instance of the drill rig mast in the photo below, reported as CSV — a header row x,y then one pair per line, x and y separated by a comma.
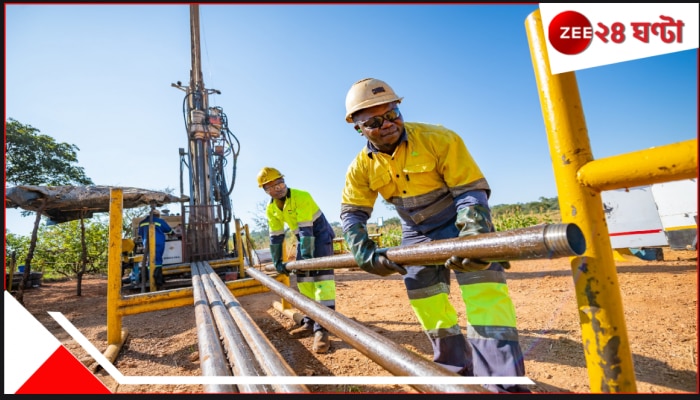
x,y
210,146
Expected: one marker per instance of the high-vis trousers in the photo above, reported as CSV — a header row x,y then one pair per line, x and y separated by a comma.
x,y
318,285
491,347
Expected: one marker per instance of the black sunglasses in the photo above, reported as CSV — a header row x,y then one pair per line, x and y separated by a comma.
x,y
378,121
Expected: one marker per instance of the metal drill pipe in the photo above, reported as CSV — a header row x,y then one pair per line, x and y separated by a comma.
x,y
240,356
385,352
268,357
211,355
534,242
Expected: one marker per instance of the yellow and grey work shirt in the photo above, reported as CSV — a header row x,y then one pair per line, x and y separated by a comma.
x,y
428,170
299,213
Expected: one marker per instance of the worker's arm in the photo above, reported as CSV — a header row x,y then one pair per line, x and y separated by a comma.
x,y
307,246
165,228
306,212
276,228
367,254
473,218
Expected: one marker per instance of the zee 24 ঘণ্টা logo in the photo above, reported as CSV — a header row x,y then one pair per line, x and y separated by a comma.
x,y
571,33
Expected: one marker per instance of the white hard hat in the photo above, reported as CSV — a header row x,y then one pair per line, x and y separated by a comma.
x,y
366,93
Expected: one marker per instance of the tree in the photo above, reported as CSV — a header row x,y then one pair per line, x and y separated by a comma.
x,y
17,244
543,205
337,229
261,235
260,216
393,221
35,159
30,254
16,248
62,250
388,205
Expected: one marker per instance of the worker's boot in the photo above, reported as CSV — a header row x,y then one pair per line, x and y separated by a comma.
x,y
321,341
158,277
304,324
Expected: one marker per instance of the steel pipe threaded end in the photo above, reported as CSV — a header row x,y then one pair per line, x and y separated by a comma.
x,y
564,239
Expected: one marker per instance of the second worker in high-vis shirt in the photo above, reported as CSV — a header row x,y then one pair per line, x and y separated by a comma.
x,y
298,210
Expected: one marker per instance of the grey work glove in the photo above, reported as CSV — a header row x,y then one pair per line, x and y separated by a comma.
x,y
472,220
466,264
367,255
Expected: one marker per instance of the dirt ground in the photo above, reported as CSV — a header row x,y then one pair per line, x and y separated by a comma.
x,y
659,301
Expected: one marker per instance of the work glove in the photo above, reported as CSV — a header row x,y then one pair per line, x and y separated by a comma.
x,y
276,254
306,245
367,255
471,221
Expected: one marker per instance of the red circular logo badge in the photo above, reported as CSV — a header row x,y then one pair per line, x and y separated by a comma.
x,y
570,32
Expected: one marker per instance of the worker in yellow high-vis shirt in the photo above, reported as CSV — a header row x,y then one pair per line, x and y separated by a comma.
x,y
299,211
439,192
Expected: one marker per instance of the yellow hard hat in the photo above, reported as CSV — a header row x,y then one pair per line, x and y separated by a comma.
x,y
366,93
268,174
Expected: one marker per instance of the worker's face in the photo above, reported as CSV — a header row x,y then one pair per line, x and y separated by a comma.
x,y
375,123
277,189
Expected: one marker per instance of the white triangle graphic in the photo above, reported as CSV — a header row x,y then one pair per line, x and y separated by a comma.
x,y
28,344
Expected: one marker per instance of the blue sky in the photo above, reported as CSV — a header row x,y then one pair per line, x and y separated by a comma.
x,y
99,76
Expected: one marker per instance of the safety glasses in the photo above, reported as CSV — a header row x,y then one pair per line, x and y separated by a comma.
x,y
275,187
377,121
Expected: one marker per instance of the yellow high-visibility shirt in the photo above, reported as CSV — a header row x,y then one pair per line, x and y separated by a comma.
x,y
421,178
299,213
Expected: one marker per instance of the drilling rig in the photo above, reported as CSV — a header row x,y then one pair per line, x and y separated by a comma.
x,y
212,148
207,179
212,151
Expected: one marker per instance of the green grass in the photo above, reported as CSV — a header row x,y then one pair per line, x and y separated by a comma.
x,y
514,219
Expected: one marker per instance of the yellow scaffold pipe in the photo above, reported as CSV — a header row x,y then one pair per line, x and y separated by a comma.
x,y
671,162
604,334
116,336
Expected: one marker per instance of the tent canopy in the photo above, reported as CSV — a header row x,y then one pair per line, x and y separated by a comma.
x,y
67,203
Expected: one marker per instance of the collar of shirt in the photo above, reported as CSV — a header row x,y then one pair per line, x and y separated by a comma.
x,y
286,196
372,149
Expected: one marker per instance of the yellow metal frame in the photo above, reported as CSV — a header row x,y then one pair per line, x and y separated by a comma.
x,y
119,306
580,179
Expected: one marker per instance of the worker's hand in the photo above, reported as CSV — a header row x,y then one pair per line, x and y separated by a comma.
x,y
383,266
276,253
466,264
367,255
